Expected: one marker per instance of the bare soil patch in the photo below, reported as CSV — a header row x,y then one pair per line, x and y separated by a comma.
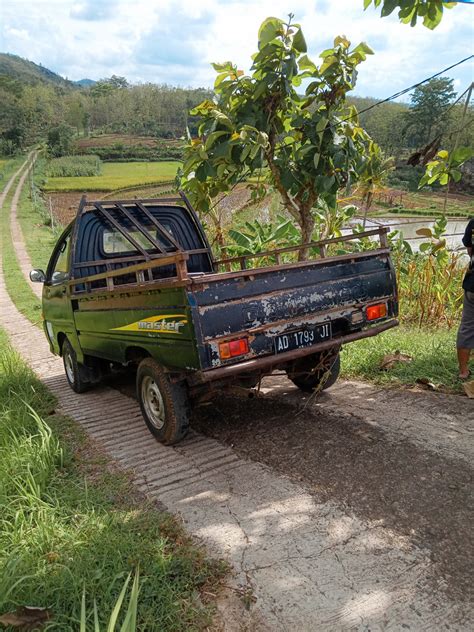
x,y
64,205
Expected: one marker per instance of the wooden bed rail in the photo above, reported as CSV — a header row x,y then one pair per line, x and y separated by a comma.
x,y
178,259
320,245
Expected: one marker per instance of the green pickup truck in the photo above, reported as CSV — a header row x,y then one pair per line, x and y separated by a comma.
x,y
134,284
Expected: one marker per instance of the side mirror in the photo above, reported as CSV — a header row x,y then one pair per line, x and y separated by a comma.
x,y
37,276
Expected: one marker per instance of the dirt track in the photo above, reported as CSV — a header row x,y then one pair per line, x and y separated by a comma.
x,y
414,483
350,512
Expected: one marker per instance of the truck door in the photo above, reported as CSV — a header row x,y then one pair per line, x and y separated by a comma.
x,y
57,311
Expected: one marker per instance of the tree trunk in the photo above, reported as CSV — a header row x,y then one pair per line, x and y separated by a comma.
x,y
368,203
307,227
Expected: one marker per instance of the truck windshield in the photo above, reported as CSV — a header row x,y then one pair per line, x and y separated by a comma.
x,y
114,242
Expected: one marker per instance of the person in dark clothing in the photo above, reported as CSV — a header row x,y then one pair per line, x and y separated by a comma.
x,y
465,339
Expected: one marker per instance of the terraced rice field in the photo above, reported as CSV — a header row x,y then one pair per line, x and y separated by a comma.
x,y
117,175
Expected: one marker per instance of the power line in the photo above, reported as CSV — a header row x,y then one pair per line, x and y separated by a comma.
x,y
415,85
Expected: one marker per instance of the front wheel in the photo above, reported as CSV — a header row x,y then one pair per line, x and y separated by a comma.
x,y
315,372
164,404
76,373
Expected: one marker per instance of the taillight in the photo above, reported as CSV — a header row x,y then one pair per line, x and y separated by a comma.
x,y
376,311
233,348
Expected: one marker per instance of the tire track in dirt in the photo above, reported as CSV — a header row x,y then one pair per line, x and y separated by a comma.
x,y
302,561
17,235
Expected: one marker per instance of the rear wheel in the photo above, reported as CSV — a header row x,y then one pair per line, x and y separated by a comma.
x,y
316,372
164,404
77,374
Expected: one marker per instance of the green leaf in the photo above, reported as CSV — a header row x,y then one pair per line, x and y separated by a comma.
x,y
213,137
299,42
96,618
388,7
316,158
220,78
461,154
363,49
280,231
456,175
268,31
241,239
328,62
226,66
118,605
305,63
443,154
367,3
83,611
130,622
321,124
342,40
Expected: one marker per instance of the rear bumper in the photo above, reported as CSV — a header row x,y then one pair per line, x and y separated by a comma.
x,y
266,363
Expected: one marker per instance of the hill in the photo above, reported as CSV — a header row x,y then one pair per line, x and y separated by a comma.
x,y
26,71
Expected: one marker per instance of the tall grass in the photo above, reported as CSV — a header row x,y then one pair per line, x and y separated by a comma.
x,y
430,280
430,290
74,166
72,526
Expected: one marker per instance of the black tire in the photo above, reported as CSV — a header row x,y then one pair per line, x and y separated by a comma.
x,y
164,404
77,374
302,375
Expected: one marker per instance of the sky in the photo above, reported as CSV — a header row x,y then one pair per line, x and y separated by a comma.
x,y
174,41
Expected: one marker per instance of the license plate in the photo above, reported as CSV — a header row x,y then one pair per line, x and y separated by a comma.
x,y
302,338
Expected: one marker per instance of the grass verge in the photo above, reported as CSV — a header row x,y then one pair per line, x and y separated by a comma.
x,y
7,167
16,284
40,239
433,356
117,175
71,523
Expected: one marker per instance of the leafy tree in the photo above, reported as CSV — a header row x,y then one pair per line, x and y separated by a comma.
x,y
410,10
306,145
429,104
12,140
60,140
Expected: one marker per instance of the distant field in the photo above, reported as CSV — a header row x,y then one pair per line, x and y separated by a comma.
x,y
117,175
106,140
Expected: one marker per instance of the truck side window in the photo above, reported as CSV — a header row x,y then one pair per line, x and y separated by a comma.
x,y
60,271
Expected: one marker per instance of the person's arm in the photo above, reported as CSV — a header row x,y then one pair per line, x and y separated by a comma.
x,y
468,235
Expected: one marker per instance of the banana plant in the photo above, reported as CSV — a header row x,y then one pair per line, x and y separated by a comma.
x,y
255,237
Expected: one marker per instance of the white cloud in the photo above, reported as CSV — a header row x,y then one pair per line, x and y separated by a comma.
x,y
174,41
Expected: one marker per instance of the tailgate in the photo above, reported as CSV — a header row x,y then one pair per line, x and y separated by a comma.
x,y
267,303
